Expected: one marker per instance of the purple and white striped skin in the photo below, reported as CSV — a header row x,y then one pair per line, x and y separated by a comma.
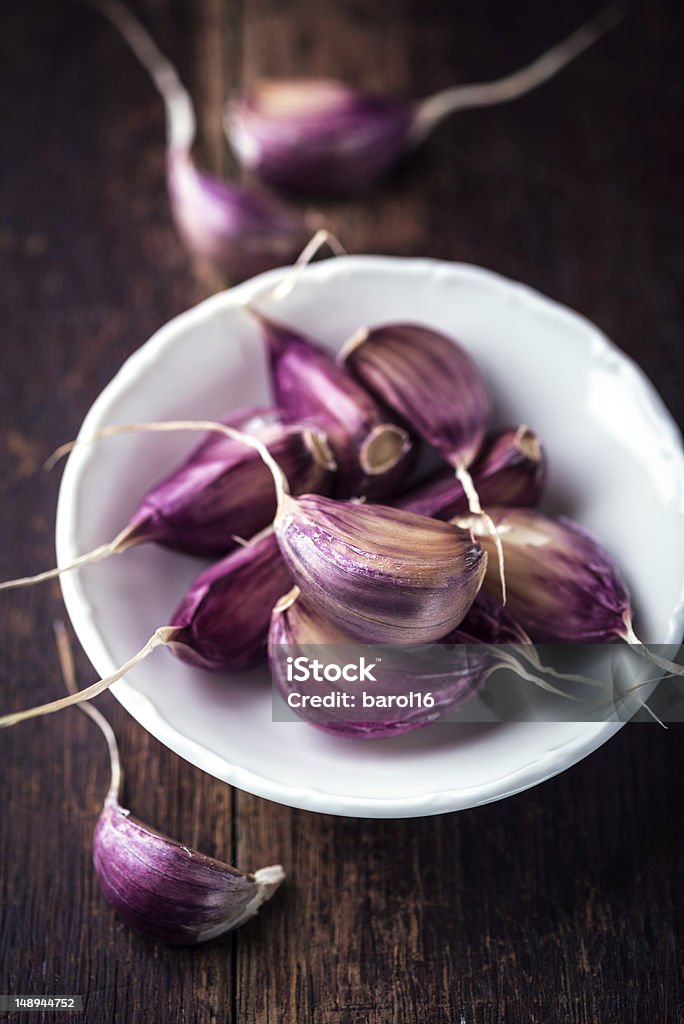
x,y
223,619
380,574
562,586
318,137
373,454
223,489
510,469
240,231
428,381
167,891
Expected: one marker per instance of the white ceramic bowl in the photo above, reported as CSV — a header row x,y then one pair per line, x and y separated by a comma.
x,y
616,466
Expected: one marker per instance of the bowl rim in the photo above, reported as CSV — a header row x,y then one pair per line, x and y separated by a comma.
x,y
451,798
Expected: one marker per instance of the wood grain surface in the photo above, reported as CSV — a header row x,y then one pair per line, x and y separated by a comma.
x,y
562,904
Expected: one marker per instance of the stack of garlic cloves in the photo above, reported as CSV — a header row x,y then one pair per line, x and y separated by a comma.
x,y
322,492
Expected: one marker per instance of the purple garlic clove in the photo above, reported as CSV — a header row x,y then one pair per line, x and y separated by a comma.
x,y
240,231
428,381
223,490
380,574
163,889
170,892
372,454
321,137
317,137
222,493
562,586
510,470
222,623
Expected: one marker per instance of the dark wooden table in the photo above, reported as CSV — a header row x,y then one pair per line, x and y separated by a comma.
x,y
560,905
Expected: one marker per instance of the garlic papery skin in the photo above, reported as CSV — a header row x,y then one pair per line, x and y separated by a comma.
x,y
428,381
239,231
511,469
321,137
317,136
170,892
562,585
380,574
373,454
